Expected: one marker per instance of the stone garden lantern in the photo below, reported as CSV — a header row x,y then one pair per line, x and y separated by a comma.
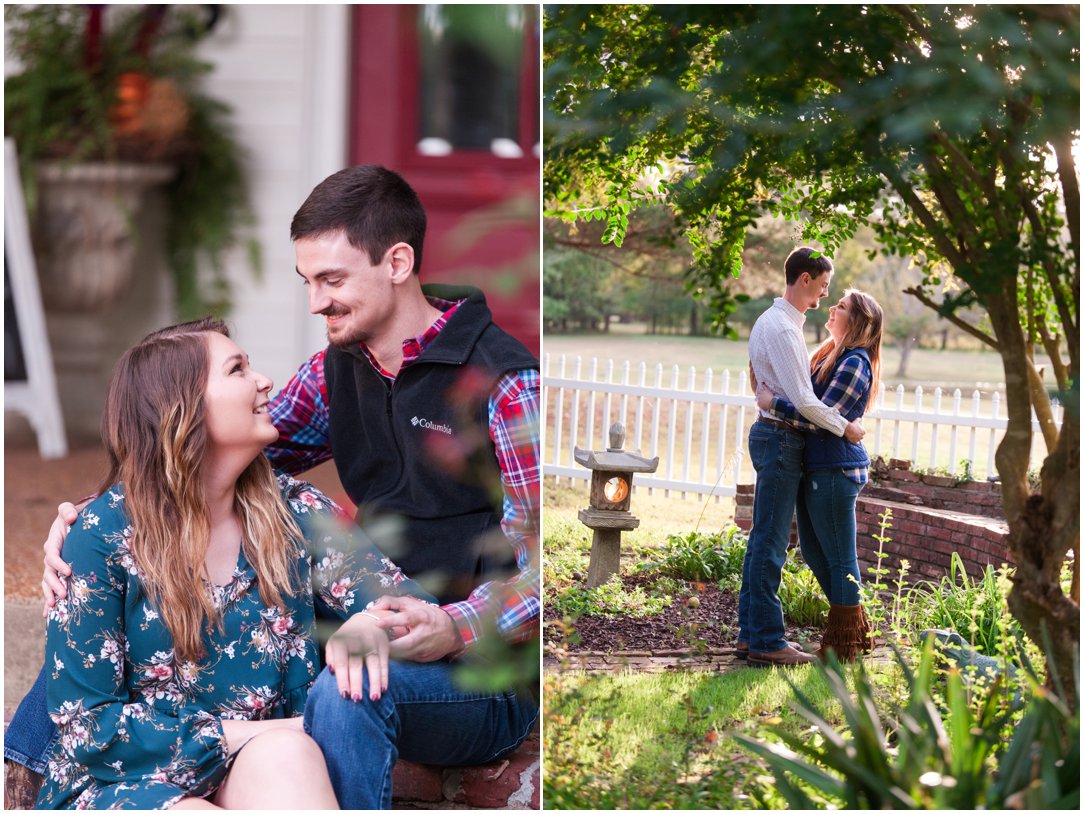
x,y
611,492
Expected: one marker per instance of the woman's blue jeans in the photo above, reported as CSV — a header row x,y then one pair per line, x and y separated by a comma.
x,y
423,717
827,534
776,453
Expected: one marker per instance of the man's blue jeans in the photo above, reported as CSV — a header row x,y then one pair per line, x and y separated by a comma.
x,y
422,717
776,453
827,533
31,733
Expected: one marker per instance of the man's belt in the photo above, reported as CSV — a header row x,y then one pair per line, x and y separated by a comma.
x,y
776,423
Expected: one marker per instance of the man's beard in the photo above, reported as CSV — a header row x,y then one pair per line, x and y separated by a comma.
x,y
347,337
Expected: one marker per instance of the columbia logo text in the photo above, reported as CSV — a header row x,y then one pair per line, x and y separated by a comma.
x,y
429,425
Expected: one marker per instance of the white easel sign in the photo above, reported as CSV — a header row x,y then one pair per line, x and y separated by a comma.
x,y
29,378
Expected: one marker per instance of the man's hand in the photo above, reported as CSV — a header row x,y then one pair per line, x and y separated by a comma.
x,y
764,397
431,632
52,582
359,644
855,432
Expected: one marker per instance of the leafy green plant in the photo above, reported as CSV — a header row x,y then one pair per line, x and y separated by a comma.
x,y
563,566
977,609
804,603
713,557
66,103
610,599
874,589
921,755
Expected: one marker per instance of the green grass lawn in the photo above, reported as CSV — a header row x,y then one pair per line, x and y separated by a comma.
x,y
664,740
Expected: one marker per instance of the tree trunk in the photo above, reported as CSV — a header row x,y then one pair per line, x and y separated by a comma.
x,y
1043,527
692,320
906,346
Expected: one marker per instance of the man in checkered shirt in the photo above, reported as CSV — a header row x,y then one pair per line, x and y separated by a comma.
x,y
778,359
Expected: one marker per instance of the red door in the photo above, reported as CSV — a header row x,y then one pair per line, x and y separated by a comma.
x,y
448,96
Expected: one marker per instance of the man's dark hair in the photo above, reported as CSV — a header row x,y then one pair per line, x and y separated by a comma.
x,y
802,260
373,205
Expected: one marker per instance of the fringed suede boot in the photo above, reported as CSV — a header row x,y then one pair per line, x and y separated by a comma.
x,y
847,633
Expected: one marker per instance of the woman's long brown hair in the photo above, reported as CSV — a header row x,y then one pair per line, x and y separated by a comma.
x,y
155,436
864,330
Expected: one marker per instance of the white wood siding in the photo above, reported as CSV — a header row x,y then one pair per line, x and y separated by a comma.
x,y
284,71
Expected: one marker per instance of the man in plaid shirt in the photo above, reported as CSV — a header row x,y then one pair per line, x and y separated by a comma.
x,y
411,390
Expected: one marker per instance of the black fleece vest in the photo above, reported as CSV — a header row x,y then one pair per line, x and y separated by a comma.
x,y
416,456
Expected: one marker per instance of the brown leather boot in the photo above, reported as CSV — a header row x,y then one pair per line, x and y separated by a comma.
x,y
741,649
847,633
785,657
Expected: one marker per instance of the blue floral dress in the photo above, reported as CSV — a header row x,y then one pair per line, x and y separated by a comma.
x,y
140,729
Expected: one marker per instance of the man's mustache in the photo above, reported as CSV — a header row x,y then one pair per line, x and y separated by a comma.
x,y
333,311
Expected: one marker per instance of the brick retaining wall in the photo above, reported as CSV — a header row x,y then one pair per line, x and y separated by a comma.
x,y
512,783
932,517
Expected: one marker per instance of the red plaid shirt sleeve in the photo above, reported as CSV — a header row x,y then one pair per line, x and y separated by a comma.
x,y
299,412
514,427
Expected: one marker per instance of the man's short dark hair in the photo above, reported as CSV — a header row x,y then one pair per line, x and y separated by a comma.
x,y
802,260
373,205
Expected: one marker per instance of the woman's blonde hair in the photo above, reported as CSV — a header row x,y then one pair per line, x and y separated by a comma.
x,y
864,330
155,436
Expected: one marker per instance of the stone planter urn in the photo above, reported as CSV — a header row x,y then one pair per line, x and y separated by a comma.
x,y
95,225
84,237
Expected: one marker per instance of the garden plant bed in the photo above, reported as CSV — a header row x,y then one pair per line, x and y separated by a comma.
x,y
708,630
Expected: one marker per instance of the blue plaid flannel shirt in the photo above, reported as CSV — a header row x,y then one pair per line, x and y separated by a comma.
x,y
848,385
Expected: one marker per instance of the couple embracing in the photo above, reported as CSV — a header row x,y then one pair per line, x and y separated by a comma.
x,y
806,448
182,668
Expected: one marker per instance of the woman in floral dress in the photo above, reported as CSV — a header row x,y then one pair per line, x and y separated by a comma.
x,y
183,652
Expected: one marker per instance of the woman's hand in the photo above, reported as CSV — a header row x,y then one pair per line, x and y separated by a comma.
x,y
359,644
764,397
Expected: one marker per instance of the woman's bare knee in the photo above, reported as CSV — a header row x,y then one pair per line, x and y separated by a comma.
x,y
194,804
281,768
286,748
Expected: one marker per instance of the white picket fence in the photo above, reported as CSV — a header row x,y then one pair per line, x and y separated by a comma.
x,y
697,424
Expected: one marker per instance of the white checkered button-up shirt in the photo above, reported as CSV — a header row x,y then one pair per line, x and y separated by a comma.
x,y
780,360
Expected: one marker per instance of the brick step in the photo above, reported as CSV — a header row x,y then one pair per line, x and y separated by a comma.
x,y
511,783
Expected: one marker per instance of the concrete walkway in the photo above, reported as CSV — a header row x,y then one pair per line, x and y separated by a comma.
x,y
24,646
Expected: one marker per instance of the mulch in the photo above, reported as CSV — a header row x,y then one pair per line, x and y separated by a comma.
x,y
710,622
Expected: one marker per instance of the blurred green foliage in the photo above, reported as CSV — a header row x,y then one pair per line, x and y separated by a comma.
x,y
59,105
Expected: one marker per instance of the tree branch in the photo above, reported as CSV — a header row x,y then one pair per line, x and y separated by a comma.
x,y
984,184
1068,324
1053,350
957,215
1070,192
921,296
943,242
